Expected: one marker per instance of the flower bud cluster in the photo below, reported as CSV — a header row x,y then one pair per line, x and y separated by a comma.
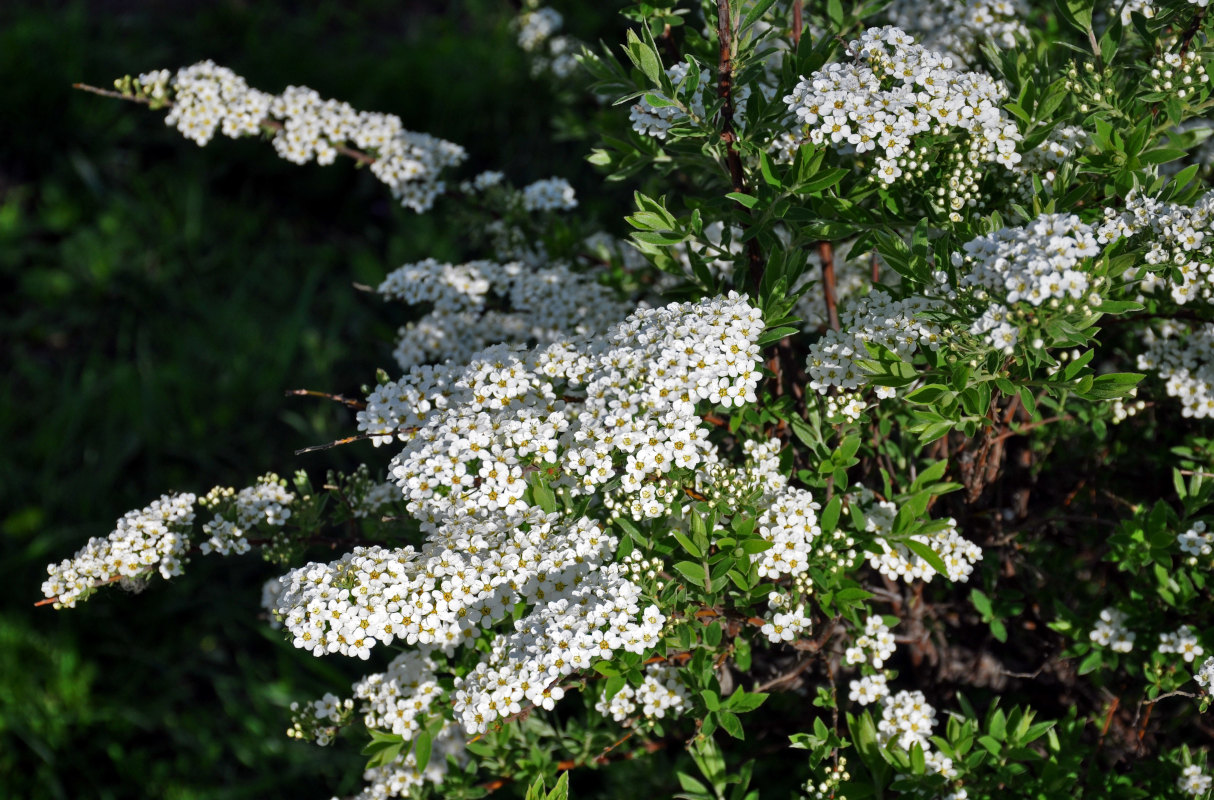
x,y
207,97
662,692
1175,236
828,789
875,318
319,721
1183,357
897,561
153,538
1178,73
1040,263
1183,642
481,303
1111,631
1126,407
958,28
893,91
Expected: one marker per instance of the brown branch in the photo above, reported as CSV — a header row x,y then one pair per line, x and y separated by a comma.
x,y
798,22
317,447
729,134
357,405
827,255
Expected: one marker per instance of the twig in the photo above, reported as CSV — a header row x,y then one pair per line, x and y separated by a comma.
x,y
317,447
827,255
358,405
729,135
798,23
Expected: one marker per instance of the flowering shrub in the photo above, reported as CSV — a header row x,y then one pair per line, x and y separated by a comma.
x,y
856,408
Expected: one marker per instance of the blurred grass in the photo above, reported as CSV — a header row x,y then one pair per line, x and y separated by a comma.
x,y
158,300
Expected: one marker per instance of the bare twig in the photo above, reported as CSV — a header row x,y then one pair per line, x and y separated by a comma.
x,y
729,134
358,405
827,254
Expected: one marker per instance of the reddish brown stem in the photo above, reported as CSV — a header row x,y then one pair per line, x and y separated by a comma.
x,y
827,254
729,134
798,23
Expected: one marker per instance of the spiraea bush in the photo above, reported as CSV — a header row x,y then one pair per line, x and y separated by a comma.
x,y
882,410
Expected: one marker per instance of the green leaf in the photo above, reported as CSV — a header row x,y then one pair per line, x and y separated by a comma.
x,y
644,58
747,200
927,554
1112,385
756,11
732,725
561,790
422,744
742,701
693,571
687,544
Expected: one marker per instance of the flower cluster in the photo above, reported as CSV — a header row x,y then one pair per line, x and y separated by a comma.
x,y
873,647
480,303
1183,642
1111,631
538,35
1205,675
625,399
401,778
1194,782
1174,237
907,719
877,319
1183,357
1196,541
319,721
155,538
267,502
1039,264
868,689
650,120
957,28
893,91
550,194
206,97
784,626
1043,161
662,692
398,700
896,560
